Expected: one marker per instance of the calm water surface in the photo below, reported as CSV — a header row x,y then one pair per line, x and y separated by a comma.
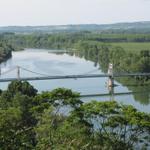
x,y
49,63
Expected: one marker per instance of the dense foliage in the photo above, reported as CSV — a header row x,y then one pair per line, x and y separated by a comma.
x,y
92,45
59,120
5,50
68,39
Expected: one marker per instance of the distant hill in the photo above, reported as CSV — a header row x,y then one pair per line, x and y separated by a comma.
x,y
135,27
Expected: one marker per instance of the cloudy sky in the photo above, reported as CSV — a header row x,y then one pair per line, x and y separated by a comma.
x,y
58,12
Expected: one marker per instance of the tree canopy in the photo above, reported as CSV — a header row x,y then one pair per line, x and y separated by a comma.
x,y
31,120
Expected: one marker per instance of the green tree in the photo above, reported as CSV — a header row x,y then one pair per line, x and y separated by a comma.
x,y
116,126
21,87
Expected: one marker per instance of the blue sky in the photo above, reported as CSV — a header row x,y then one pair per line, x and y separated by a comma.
x,y
58,12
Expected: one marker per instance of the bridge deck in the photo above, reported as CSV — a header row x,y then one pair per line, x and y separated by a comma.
x,y
74,77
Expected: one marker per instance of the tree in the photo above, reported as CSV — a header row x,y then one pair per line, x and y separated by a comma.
x,y
116,126
29,121
12,134
22,87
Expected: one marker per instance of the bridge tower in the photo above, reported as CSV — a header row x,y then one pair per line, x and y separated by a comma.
x,y
111,77
18,72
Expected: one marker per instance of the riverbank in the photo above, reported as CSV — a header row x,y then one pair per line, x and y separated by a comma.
x,y
5,56
5,51
127,52
53,64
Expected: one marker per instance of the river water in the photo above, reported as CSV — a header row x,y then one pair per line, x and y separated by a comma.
x,y
48,62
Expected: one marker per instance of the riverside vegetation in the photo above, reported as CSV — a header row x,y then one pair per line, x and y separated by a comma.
x,y
119,49
127,51
5,50
30,120
116,48
123,50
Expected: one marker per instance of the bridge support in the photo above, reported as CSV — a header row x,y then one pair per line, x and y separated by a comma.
x,y
111,77
18,72
111,81
111,92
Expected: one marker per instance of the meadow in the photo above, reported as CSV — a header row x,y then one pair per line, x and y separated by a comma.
x,y
133,46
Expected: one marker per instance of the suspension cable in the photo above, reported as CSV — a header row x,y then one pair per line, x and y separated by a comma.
x,y
41,74
89,72
10,70
33,72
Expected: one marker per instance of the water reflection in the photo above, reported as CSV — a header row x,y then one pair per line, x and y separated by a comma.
x,y
54,63
141,92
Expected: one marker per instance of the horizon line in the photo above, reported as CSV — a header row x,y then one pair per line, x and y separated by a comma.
x,y
123,22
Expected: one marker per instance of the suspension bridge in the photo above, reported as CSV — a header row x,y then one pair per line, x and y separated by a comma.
x,y
110,75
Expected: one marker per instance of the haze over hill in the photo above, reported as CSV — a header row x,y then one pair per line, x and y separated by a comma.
x,y
134,27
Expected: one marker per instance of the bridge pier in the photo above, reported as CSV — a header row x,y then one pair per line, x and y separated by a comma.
x,y
111,92
18,72
110,81
111,77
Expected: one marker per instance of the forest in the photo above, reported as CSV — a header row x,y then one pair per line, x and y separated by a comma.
x,y
120,49
32,120
5,50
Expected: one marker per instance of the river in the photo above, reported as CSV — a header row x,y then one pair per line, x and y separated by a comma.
x,y
48,62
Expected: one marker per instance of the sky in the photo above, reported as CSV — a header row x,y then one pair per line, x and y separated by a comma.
x,y
62,12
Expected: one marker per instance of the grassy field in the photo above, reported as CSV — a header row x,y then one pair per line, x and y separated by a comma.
x,y
133,47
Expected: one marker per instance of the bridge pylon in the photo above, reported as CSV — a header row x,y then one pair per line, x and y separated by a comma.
x,y
111,77
18,72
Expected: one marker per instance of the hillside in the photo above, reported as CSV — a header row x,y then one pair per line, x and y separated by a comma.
x,y
135,27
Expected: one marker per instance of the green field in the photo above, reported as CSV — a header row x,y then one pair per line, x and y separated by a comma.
x,y
133,46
